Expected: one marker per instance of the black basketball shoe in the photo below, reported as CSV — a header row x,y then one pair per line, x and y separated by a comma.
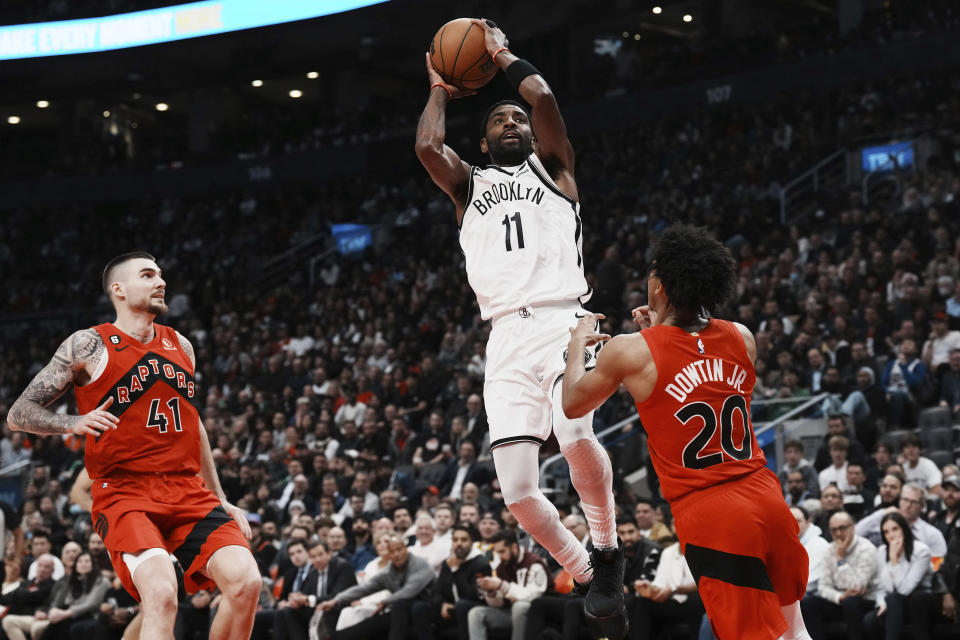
x,y
603,606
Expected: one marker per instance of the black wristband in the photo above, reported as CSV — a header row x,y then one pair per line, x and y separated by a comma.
x,y
518,70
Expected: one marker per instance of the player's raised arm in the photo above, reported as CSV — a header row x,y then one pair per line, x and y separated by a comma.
x,y
552,146
29,413
445,167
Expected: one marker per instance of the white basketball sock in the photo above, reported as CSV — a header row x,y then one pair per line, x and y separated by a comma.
x,y
796,629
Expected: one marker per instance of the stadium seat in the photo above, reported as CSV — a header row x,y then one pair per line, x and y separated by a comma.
x,y
941,458
894,437
938,439
934,418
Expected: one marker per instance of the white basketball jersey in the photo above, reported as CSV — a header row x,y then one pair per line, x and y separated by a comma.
x,y
522,239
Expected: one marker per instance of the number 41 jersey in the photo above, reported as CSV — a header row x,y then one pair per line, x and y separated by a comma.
x,y
151,385
522,239
697,418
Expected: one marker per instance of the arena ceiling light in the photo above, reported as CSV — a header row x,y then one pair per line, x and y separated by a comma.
x,y
257,83
687,18
295,93
13,119
658,10
106,113
313,75
162,106
42,104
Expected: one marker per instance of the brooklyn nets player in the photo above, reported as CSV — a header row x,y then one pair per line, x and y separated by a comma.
x,y
520,231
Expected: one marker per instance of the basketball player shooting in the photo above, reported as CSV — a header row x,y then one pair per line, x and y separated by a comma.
x,y
691,377
154,486
520,230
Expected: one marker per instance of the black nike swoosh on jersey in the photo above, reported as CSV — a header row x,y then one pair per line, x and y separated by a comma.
x,y
121,348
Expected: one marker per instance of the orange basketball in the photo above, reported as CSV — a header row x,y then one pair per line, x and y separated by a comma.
x,y
459,54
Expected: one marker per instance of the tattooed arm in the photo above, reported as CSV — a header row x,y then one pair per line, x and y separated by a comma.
x,y
187,348
29,413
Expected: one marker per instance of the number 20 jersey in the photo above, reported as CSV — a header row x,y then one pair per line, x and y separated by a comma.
x,y
522,238
152,388
697,418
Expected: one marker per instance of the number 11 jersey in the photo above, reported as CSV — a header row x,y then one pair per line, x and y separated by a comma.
x,y
697,419
152,388
522,238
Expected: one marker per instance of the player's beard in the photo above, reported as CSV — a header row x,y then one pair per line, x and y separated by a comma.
x,y
157,307
510,156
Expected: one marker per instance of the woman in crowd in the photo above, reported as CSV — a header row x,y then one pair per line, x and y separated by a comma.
x,y
76,597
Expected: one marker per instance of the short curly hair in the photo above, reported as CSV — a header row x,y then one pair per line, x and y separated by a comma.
x,y
697,272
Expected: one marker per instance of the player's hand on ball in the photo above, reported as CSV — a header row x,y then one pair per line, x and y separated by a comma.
x,y
586,330
645,317
495,38
96,422
435,78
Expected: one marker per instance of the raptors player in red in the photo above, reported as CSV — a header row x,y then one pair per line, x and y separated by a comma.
x,y
691,377
155,488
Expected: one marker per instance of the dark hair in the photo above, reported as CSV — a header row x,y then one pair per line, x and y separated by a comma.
x,y
314,543
494,107
911,439
644,500
904,527
80,585
117,261
470,529
506,536
625,519
793,444
296,541
697,271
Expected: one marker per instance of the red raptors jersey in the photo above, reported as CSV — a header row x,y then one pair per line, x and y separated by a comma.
x,y
697,418
152,386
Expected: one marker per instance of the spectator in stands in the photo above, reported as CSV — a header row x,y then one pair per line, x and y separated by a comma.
x,y
521,578
940,604
837,426
25,603
947,517
670,597
408,579
816,545
857,498
831,502
328,576
428,545
795,462
848,587
796,492
75,599
444,517
911,507
337,541
456,591
889,494
294,580
463,469
939,345
876,398
40,545
902,378
403,523
469,514
904,567
650,529
836,472
366,606
432,446
950,385
917,468
68,556
362,542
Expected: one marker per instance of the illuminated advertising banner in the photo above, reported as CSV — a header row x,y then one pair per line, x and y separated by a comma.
x,y
160,25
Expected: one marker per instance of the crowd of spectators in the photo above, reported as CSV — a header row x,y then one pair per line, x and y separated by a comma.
x,y
346,414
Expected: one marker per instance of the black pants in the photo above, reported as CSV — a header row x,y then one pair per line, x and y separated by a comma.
x,y
564,613
890,624
851,610
925,610
645,615
393,624
427,619
291,624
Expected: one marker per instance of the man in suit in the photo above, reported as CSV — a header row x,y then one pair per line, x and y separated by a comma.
x,y
294,581
31,595
463,470
328,577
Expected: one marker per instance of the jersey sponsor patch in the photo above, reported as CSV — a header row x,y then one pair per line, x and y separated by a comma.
x,y
167,344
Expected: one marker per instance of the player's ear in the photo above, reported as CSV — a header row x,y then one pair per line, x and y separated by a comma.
x,y
483,145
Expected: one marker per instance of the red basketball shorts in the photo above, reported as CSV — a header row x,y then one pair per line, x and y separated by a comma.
x,y
175,512
742,545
